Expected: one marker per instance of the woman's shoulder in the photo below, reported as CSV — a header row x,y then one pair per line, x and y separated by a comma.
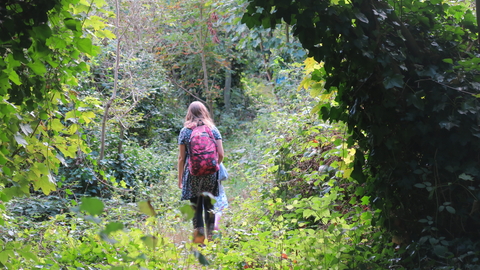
x,y
216,133
185,132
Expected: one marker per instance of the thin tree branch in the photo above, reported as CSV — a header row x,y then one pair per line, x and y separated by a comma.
x,y
181,87
115,84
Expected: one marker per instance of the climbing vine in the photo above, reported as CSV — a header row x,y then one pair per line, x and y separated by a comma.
x,y
406,85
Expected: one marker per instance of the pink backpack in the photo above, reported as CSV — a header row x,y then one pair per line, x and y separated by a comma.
x,y
203,158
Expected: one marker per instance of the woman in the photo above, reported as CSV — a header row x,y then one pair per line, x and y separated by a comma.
x,y
193,187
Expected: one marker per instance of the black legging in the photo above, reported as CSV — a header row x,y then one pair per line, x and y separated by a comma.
x,y
200,205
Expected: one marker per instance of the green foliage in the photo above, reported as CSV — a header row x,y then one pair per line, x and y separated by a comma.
x,y
42,51
38,209
301,190
412,116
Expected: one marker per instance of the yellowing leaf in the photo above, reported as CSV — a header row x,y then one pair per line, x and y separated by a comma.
x,y
56,125
350,156
87,116
311,65
45,184
95,22
347,173
72,129
39,169
316,89
105,34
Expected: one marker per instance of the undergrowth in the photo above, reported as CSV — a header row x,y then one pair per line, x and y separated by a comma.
x,y
292,205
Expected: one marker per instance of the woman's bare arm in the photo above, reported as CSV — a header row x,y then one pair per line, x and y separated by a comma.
x,y
182,154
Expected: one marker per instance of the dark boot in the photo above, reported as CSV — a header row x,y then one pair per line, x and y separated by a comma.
x,y
210,228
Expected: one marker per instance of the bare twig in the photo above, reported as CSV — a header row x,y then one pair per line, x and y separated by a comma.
x,y
181,87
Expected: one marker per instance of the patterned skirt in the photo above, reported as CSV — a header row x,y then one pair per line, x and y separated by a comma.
x,y
194,186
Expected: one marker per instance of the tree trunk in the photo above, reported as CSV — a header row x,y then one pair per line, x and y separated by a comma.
x,y
477,8
115,84
206,91
228,86
287,31
121,137
265,56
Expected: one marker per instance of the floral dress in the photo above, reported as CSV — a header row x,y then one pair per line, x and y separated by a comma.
x,y
195,185
221,201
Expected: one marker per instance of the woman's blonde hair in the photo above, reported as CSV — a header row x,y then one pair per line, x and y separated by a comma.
x,y
196,112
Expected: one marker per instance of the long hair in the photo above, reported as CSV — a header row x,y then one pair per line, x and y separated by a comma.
x,y
196,112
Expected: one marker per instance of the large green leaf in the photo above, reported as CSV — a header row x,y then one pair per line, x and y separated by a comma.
x,y
146,208
84,45
38,68
93,206
395,80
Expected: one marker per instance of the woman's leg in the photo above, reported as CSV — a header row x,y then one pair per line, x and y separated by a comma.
x,y
197,205
218,216
197,220
209,215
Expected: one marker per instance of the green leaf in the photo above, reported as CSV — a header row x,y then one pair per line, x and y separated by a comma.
x,y
56,125
91,205
393,81
419,185
360,16
201,259
416,100
4,255
316,89
46,183
187,211
72,24
266,22
3,159
40,169
150,241
447,125
317,75
146,208
440,250
20,139
13,76
84,45
450,209
465,177
308,213
28,255
113,227
448,60
43,31
38,68
359,191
